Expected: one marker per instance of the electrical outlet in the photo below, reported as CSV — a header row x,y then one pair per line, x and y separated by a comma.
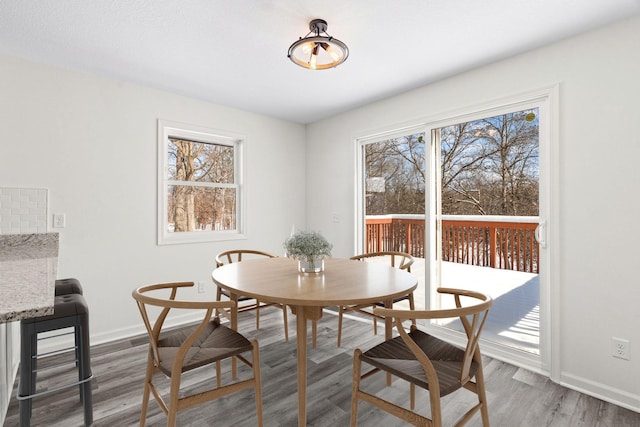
x,y
59,220
201,287
620,348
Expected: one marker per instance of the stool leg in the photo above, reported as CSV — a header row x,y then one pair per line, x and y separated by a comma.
x,y
77,343
28,348
84,368
78,354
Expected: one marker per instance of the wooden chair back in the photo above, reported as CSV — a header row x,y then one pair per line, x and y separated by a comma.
x,y
472,317
236,255
401,260
166,304
245,303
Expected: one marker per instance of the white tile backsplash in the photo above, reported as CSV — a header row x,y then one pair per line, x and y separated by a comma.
x,y
23,210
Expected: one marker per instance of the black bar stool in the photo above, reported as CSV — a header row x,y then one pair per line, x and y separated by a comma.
x,y
70,311
68,286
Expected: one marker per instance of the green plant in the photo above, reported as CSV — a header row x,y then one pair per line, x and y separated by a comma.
x,y
307,246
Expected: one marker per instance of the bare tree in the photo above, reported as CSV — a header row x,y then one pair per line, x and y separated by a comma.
x,y
193,207
461,166
399,163
490,166
184,153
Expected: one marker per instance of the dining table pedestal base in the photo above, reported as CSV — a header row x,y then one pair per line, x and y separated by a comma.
x,y
303,313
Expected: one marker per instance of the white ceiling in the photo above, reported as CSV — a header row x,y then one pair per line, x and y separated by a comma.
x,y
234,52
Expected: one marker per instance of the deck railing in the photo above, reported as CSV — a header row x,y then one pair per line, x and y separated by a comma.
x,y
489,241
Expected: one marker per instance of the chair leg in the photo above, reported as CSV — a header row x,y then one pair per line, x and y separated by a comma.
x,y
255,359
218,374
355,386
412,306
233,315
482,396
375,323
218,296
257,314
436,409
174,397
286,323
314,332
412,396
146,392
340,311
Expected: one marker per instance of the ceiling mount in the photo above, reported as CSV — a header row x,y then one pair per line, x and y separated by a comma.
x,y
318,52
318,26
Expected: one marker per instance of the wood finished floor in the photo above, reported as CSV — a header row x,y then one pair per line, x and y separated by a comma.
x,y
517,398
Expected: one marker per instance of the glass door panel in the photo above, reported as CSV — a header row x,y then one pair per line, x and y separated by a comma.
x,y
393,199
487,197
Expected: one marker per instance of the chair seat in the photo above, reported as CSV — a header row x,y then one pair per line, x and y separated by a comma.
x,y
394,356
240,297
402,298
216,342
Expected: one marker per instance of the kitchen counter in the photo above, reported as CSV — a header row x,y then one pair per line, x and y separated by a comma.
x,y
28,271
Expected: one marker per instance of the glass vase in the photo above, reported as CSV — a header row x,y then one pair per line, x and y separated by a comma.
x,y
311,265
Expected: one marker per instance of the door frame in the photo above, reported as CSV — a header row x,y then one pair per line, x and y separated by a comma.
x,y
547,100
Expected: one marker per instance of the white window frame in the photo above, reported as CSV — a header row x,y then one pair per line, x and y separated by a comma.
x,y
168,129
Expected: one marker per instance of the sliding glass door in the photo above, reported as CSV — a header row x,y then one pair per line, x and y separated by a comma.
x,y
468,197
487,212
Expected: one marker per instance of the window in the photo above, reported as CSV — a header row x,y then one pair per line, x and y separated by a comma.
x,y
199,184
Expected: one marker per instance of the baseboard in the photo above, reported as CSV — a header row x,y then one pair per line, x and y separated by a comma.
x,y
139,329
601,391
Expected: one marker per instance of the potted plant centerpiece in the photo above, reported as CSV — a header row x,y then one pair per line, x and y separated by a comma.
x,y
309,248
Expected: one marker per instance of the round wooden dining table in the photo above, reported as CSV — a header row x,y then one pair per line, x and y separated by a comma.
x,y
343,282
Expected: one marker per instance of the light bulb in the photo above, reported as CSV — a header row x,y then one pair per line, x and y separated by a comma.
x,y
308,47
333,53
314,57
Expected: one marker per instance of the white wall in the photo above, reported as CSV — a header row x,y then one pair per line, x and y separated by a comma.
x,y
597,233
93,143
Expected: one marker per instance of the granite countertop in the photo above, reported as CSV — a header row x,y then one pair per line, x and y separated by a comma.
x,y
28,271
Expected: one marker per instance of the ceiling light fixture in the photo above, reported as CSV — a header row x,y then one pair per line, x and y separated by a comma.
x,y
318,52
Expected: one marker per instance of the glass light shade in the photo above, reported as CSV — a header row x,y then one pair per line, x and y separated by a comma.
x,y
318,52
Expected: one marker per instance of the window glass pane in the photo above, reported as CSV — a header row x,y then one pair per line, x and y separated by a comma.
x,y
490,206
200,162
490,166
192,208
394,176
